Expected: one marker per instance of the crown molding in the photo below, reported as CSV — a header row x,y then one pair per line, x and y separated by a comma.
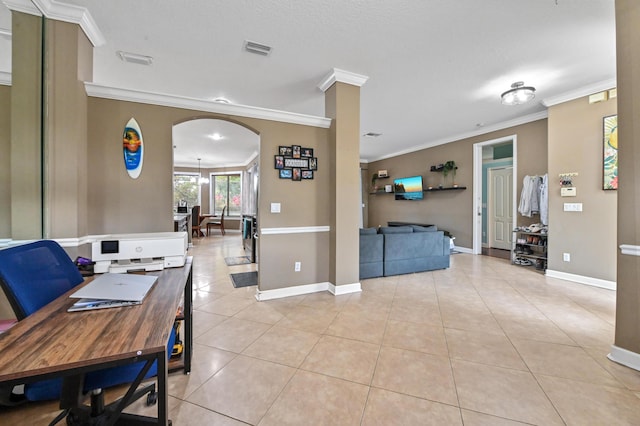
x,y
484,130
343,77
52,9
5,78
24,6
579,93
129,95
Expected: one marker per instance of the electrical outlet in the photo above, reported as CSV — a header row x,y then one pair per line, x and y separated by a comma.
x,y
297,266
566,257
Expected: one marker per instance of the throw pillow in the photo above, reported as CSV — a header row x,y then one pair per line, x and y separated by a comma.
x,y
431,228
368,231
395,229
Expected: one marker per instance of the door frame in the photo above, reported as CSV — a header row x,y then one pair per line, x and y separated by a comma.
x,y
477,186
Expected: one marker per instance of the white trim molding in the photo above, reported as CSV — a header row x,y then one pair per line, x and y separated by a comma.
x,y
73,14
594,282
5,78
24,6
580,92
108,92
630,249
298,290
342,76
624,357
462,250
294,230
339,290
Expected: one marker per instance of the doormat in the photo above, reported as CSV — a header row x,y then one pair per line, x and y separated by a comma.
x,y
244,279
240,260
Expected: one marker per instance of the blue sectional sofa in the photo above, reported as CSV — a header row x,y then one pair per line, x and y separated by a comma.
x,y
402,250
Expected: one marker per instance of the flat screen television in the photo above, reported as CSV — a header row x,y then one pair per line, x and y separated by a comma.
x,y
408,188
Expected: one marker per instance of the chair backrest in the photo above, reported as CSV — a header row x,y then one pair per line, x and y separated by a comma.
x,y
222,214
34,274
195,216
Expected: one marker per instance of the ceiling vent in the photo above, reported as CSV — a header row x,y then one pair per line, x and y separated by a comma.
x,y
257,48
372,135
134,58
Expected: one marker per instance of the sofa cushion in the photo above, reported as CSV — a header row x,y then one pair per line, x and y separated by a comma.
x,y
396,229
368,231
417,228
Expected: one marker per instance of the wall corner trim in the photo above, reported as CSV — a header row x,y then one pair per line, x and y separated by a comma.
x,y
630,249
594,282
342,76
338,290
624,357
24,6
5,78
129,95
74,15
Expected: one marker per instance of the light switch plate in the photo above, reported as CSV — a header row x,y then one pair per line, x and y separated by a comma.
x,y
275,207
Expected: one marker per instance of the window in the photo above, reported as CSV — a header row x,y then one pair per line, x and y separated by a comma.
x,y
186,188
227,192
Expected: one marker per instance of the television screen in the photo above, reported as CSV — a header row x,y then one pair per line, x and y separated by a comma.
x,y
409,188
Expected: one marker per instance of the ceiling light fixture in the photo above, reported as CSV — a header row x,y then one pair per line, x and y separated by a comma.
x,y
372,135
201,180
518,94
222,100
216,136
257,48
134,58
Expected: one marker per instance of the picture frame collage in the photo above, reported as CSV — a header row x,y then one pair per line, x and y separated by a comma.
x,y
295,162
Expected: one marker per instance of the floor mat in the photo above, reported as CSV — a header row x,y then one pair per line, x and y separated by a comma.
x,y
240,260
244,279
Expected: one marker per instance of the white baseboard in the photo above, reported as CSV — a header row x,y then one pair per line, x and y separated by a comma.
x,y
344,289
298,290
279,293
624,357
594,282
463,250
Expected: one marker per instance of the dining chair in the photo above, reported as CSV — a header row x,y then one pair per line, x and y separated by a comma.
x,y
195,222
217,223
33,275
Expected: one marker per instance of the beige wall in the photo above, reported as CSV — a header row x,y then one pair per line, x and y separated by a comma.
x,y
452,210
628,65
575,145
65,129
5,162
118,204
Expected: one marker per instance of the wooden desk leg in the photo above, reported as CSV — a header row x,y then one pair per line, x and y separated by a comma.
x,y
163,390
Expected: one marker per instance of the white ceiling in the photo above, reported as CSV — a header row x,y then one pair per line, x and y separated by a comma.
x,y
436,68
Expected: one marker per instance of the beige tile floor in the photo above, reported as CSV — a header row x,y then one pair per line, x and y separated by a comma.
x,y
481,343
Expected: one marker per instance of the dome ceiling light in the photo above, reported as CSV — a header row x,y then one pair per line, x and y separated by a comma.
x,y
518,94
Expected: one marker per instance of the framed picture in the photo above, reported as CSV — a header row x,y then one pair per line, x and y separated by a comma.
x,y
313,163
296,174
295,151
307,174
302,163
285,174
285,151
610,152
279,162
307,152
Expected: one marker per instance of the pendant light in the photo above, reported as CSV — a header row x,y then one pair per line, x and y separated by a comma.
x,y
518,94
201,180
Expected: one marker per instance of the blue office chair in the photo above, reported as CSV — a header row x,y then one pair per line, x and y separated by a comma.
x,y
34,274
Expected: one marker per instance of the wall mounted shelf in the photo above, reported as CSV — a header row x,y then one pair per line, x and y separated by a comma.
x,y
448,188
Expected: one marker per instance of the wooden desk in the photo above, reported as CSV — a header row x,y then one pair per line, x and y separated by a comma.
x,y
53,342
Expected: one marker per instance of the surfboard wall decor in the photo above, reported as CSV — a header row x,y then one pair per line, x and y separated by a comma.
x,y
132,148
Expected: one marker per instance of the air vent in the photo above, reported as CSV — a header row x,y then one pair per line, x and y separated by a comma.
x,y
134,58
372,135
257,48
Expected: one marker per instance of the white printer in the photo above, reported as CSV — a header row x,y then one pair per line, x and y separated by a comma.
x,y
119,253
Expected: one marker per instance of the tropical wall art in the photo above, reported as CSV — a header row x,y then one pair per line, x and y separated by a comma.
x,y
610,130
132,148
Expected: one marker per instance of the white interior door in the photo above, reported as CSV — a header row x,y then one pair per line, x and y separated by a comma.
x,y
500,207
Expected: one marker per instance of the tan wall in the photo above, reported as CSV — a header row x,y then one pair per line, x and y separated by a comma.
x,y
451,210
628,65
66,130
575,145
5,162
120,204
